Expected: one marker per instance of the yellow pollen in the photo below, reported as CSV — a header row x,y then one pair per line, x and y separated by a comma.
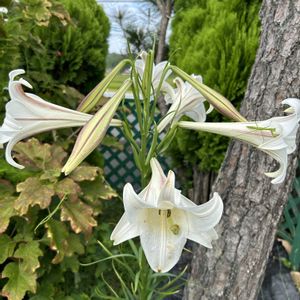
x,y
175,229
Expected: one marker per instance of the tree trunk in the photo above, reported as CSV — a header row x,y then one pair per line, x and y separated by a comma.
x,y
165,8
202,185
234,268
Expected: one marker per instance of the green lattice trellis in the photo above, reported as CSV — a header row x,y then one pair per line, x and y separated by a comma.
x,y
289,228
119,165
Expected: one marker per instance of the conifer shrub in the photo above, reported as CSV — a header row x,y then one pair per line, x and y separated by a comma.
x,y
62,45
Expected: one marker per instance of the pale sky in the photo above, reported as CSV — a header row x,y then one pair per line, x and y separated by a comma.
x,y
136,9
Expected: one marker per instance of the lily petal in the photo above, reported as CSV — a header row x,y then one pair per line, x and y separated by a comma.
x,y
167,193
151,193
185,101
165,223
275,136
28,114
135,207
124,231
163,240
202,238
205,216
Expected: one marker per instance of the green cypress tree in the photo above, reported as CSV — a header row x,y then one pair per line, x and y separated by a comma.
x,y
218,40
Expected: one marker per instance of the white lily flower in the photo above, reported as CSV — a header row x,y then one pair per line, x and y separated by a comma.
x,y
157,72
275,136
185,101
28,114
164,219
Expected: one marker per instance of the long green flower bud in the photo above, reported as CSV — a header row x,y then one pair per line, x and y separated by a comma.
x,y
219,102
94,131
93,98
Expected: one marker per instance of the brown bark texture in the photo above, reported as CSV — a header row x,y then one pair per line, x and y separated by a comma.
x,y
165,8
202,185
234,268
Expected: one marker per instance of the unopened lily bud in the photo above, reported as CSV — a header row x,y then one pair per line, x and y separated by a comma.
x,y
219,102
94,131
93,98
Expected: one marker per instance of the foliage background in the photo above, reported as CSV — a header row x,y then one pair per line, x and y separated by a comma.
x,y
218,40
62,46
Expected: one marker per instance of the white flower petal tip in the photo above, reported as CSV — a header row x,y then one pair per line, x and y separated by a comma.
x,y
164,219
15,73
294,104
25,83
185,100
28,114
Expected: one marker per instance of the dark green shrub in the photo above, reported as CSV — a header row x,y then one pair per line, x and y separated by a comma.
x,y
62,45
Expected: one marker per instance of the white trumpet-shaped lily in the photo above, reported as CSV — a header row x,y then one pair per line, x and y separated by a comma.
x,y
164,219
28,114
275,136
186,100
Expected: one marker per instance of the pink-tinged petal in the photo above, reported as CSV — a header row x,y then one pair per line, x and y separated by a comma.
x,y
124,231
163,236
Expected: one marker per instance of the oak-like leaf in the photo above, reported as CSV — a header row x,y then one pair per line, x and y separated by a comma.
x,y
61,241
79,214
33,192
19,281
33,153
67,186
82,173
6,211
29,252
7,246
97,190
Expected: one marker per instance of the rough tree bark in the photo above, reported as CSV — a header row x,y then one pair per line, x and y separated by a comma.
x,y
202,185
234,268
165,8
